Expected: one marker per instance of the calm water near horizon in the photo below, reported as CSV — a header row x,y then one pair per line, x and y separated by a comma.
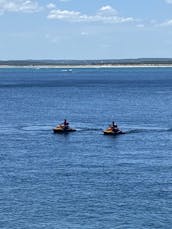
x,y
85,179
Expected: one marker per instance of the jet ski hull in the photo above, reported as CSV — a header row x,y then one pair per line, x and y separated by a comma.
x,y
111,132
61,130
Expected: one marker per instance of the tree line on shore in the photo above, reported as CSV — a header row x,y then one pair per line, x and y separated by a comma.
x,y
139,61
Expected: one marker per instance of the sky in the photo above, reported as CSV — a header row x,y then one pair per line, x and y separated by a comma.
x,y
90,29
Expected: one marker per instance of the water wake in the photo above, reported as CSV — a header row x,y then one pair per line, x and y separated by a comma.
x,y
88,129
48,128
146,130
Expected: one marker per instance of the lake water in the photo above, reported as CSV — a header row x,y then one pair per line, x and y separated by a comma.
x,y
85,179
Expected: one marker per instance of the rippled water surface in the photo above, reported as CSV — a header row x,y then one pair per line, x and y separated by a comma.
x,y
85,179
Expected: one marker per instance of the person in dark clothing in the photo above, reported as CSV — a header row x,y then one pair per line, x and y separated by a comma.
x,y
66,124
114,126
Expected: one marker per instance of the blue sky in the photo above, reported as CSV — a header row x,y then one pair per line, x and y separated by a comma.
x,y
90,29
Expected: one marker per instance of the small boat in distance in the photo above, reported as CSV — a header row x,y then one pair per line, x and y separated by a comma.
x,y
63,128
113,130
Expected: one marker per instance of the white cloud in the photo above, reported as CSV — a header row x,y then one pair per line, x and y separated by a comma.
x,y
107,10
105,14
51,6
64,14
84,33
167,23
26,6
168,1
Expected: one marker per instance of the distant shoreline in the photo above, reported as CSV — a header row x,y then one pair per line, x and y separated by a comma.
x,y
70,66
100,63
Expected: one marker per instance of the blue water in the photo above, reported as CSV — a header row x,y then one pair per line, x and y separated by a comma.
x,y
85,179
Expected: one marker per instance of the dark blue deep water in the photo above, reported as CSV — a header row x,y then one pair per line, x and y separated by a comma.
x,y
86,180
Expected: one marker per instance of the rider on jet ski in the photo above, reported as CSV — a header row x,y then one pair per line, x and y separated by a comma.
x,y
66,124
114,127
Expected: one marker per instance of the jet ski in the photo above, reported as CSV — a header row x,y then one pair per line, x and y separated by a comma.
x,y
113,130
110,131
63,129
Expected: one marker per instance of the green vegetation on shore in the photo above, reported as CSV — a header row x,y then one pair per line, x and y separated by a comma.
x,y
113,62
